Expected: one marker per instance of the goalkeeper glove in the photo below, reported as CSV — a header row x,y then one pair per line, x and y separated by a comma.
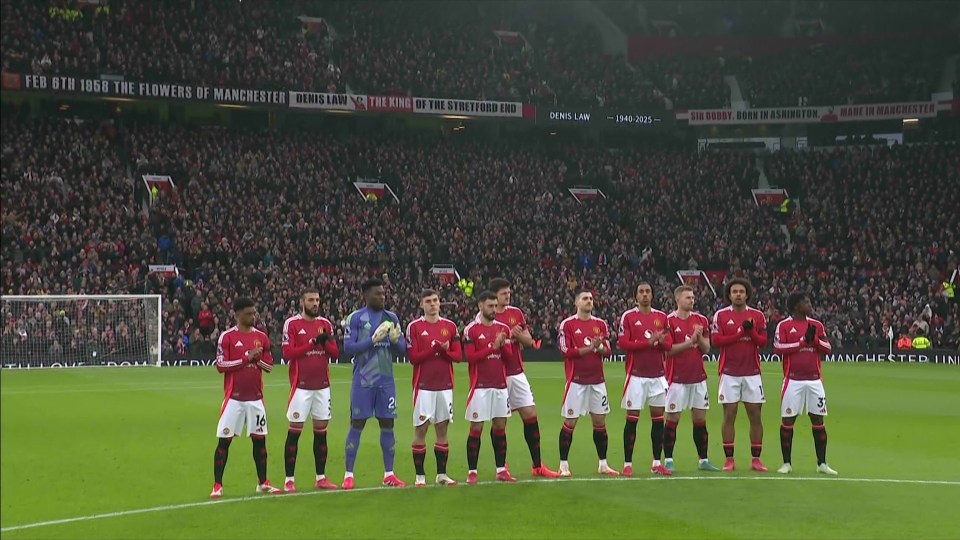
x,y
748,325
321,339
382,331
395,333
811,333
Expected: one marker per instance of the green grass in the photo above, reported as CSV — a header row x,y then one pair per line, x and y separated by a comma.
x,y
82,442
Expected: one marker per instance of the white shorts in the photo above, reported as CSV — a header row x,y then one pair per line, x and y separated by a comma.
x,y
519,394
234,415
797,395
432,406
682,397
748,389
486,404
581,399
315,403
640,391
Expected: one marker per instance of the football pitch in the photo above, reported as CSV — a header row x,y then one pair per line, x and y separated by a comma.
x,y
127,453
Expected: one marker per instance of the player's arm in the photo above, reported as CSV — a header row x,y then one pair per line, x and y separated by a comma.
x,y
704,341
330,344
454,353
821,343
523,335
415,353
666,343
758,334
290,351
224,362
566,349
476,352
779,345
265,362
718,337
352,344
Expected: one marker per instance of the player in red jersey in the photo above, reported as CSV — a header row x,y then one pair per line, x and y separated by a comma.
x,y
308,345
432,347
802,341
520,396
686,376
488,352
644,338
243,352
583,341
740,332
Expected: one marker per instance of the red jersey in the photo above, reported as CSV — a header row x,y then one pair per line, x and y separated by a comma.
x,y
242,380
432,365
308,362
513,316
801,360
487,365
636,328
575,334
686,367
739,349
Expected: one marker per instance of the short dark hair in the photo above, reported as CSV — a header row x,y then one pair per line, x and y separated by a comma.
x,y
737,281
309,290
427,293
369,284
581,290
243,302
486,295
794,300
642,283
498,284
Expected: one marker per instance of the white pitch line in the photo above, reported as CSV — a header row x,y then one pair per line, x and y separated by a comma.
x,y
199,504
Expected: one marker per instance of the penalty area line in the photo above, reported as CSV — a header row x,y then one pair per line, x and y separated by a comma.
x,y
198,504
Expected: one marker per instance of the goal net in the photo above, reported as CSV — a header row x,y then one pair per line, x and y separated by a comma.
x,y
80,330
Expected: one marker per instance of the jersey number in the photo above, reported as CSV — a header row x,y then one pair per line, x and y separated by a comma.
x,y
261,421
392,403
603,402
451,409
820,402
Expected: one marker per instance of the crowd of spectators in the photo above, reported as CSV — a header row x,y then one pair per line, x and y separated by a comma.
x,y
266,213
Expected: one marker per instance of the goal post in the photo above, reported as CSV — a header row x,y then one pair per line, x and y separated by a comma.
x,y
80,330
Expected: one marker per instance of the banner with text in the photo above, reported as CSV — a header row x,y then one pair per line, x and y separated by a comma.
x,y
328,102
469,107
143,90
812,115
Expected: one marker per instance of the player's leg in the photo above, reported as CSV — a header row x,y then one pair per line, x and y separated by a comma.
x,y
257,428
655,396
574,405
701,438
729,397
498,437
629,440
753,400
632,401
816,400
229,425
290,455
423,405
386,411
320,454
441,450
419,450
298,406
786,443
362,402
599,408
676,401
219,465
473,449
521,400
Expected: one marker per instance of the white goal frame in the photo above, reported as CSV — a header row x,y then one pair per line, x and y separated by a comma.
x,y
156,360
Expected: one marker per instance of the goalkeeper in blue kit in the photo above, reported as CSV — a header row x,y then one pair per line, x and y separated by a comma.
x,y
373,338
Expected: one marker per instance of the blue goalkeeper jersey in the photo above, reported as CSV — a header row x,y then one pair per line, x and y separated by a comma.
x,y
372,362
